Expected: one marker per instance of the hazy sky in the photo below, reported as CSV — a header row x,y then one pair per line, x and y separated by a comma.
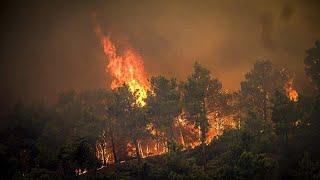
x,y
47,47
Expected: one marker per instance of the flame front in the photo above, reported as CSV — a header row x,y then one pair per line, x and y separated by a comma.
x,y
125,68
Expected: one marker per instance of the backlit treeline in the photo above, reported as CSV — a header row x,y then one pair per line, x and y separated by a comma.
x,y
149,117
186,114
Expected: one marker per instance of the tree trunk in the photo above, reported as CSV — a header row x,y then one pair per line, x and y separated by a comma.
x,y
203,139
171,134
170,139
286,140
265,108
103,155
182,138
113,148
135,141
203,133
158,142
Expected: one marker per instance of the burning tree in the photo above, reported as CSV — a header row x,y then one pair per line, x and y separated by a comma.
x,y
130,86
164,105
125,68
130,116
259,86
198,90
221,114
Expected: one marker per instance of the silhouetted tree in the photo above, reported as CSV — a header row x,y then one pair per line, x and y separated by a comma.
x,y
284,115
131,116
164,105
199,88
312,64
259,85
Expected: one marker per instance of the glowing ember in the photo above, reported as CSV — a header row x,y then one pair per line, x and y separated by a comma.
x,y
125,68
290,91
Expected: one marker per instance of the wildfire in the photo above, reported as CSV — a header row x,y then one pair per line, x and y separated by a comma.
x,y
290,91
125,68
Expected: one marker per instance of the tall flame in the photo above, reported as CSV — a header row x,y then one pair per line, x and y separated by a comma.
x,y
290,91
125,68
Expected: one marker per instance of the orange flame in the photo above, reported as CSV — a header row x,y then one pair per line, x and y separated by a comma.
x,y
218,125
125,68
290,91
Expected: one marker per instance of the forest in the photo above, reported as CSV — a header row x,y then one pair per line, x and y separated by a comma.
x,y
190,129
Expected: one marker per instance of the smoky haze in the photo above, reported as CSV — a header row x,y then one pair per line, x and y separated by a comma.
x,y
49,47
